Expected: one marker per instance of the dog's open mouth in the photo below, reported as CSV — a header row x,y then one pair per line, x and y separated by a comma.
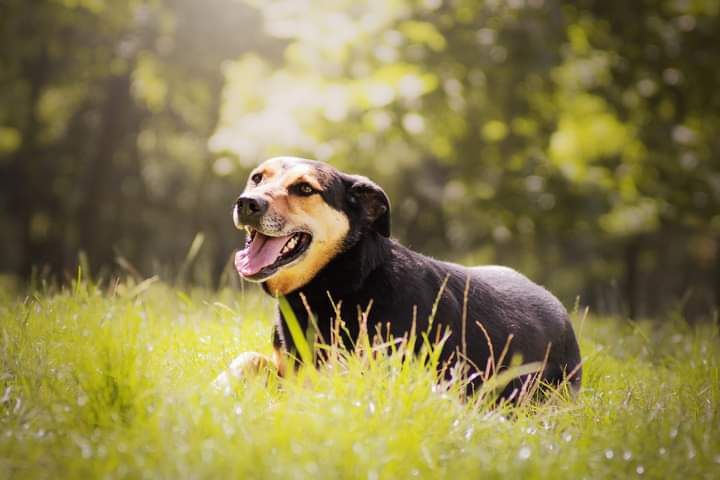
x,y
264,255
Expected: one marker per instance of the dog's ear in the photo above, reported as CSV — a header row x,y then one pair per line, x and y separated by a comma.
x,y
371,200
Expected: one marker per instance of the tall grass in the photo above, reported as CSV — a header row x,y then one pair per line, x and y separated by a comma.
x,y
115,382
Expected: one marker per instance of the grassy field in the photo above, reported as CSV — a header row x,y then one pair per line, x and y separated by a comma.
x,y
115,382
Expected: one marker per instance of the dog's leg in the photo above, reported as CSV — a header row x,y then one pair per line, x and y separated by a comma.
x,y
247,365
251,364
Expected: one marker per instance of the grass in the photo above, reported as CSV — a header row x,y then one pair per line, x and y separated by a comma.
x,y
115,382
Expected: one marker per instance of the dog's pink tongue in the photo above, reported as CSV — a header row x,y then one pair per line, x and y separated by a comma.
x,y
261,252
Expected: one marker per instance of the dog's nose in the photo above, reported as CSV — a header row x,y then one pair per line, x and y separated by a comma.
x,y
251,208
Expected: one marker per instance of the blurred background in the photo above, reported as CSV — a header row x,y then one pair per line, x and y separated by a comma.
x,y
576,141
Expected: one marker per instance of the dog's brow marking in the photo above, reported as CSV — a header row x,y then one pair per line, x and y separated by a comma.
x,y
305,178
276,167
269,172
298,171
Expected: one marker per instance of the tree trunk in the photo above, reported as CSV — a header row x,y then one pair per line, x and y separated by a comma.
x,y
98,231
717,277
25,195
632,250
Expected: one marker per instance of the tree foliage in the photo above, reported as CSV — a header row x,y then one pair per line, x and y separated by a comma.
x,y
576,141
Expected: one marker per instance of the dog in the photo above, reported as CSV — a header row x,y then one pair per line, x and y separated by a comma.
x,y
321,239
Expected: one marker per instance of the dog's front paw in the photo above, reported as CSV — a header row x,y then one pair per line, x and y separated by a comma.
x,y
245,365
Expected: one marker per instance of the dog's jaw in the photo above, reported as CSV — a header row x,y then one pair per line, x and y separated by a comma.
x,y
264,255
327,243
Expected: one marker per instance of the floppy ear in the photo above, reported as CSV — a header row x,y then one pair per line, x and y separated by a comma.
x,y
373,202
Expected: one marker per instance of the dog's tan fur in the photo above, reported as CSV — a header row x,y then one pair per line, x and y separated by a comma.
x,y
327,226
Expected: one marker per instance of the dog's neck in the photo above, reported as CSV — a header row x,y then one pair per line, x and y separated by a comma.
x,y
347,273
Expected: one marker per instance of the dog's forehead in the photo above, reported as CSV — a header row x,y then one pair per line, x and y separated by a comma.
x,y
282,164
289,168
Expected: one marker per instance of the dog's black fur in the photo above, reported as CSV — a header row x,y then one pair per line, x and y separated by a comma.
x,y
403,285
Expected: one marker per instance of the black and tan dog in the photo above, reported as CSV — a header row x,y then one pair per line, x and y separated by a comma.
x,y
320,238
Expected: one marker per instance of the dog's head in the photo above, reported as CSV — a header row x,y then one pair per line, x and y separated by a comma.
x,y
298,215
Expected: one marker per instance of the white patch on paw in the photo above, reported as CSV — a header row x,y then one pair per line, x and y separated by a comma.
x,y
245,365
223,383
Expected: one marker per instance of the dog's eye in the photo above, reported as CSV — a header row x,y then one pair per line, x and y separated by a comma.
x,y
257,178
303,189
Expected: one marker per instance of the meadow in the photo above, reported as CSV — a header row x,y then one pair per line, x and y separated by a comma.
x,y
114,381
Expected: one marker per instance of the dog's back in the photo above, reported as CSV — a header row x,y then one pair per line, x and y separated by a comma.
x,y
538,321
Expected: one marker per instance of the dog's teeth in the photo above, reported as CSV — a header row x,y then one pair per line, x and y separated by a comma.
x,y
291,244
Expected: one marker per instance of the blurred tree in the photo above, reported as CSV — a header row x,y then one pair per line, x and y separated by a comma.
x,y
531,133
575,141
665,185
105,115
